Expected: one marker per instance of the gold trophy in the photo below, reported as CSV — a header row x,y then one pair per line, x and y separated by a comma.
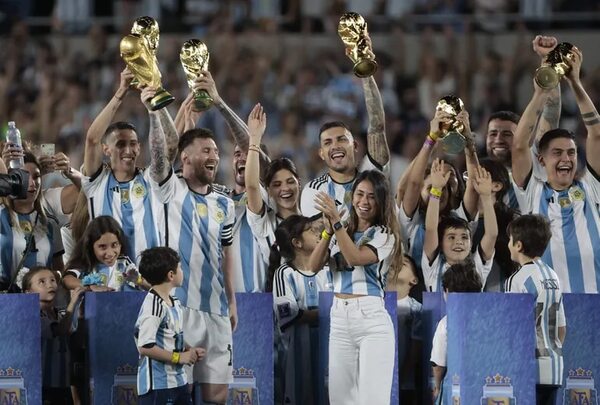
x,y
352,29
554,67
194,59
138,50
453,140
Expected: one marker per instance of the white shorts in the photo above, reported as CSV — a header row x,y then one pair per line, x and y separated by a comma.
x,y
213,333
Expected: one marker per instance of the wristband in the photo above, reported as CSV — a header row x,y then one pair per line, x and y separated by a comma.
x,y
435,192
325,235
175,358
139,279
429,142
254,148
433,135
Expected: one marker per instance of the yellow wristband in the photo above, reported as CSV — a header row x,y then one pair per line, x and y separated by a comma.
x,y
325,235
434,135
436,192
139,279
175,358
254,148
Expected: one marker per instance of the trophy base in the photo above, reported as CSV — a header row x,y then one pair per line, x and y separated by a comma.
x,y
162,99
365,68
546,77
202,101
453,143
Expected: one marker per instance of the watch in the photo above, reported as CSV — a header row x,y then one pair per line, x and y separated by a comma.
x,y
337,226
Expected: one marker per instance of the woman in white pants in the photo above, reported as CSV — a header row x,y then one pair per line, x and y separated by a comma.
x,y
361,340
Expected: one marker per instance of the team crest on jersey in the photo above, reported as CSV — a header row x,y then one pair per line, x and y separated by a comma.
x,y
138,190
284,310
242,201
202,209
124,195
576,193
26,226
219,215
564,202
348,197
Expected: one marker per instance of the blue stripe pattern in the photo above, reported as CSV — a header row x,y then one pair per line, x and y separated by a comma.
x,y
185,247
246,249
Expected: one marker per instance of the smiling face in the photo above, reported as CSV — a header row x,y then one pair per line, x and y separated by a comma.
x,y
337,149
200,160
107,249
364,203
284,189
44,283
239,166
456,244
499,140
122,148
560,161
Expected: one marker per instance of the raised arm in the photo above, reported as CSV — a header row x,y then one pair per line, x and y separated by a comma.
x,y
238,127
588,111
470,198
171,134
439,179
483,185
377,145
92,159
160,163
552,105
257,123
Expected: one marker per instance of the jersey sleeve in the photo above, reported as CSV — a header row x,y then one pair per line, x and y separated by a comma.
x,y
90,184
382,243
368,163
53,205
165,190
592,180
148,323
431,271
260,223
285,304
227,235
483,268
439,347
307,201
416,332
526,196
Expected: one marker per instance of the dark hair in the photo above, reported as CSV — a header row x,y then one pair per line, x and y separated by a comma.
x,y
289,229
455,198
29,157
157,262
504,116
332,124
26,284
117,126
551,135
462,278
451,221
499,174
189,136
277,165
83,257
534,233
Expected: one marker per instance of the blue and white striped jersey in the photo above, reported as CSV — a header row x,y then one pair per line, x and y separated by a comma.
x,y
159,324
198,227
263,228
129,203
340,192
540,280
114,276
366,280
13,242
433,272
573,214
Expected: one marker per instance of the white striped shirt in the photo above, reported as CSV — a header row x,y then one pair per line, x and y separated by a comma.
x,y
371,278
573,214
433,272
263,228
161,325
129,203
198,227
542,282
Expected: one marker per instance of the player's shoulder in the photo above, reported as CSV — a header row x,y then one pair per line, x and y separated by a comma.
x,y
318,183
222,189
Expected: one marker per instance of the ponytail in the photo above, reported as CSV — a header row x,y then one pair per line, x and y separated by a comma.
x,y
274,263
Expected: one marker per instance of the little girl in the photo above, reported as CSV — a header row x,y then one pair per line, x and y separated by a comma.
x,y
97,262
55,329
296,301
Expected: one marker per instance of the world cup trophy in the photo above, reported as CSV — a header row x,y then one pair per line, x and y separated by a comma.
x,y
194,57
352,29
555,66
453,140
138,50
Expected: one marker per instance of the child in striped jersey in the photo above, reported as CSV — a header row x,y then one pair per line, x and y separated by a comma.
x,y
296,301
56,325
159,333
529,236
448,241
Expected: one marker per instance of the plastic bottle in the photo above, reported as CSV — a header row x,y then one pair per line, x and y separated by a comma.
x,y
13,136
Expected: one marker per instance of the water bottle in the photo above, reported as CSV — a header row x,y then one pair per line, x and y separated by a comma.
x,y
13,136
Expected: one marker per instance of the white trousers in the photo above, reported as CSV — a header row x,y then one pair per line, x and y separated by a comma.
x,y
361,352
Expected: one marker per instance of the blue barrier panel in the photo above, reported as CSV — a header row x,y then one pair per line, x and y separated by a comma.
x,y
325,301
20,351
491,349
434,308
581,350
253,350
113,357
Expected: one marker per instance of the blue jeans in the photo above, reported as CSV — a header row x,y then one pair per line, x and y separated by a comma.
x,y
169,396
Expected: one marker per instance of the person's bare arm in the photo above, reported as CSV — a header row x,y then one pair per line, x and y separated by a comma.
x,y
170,132
257,122
483,186
229,290
432,217
160,164
377,145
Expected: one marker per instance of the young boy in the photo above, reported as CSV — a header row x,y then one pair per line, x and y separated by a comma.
x,y
529,236
159,334
459,278
451,243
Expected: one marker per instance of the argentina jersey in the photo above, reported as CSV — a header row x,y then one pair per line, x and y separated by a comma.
x,y
159,324
340,192
13,240
198,227
263,227
434,270
541,281
129,203
369,279
573,214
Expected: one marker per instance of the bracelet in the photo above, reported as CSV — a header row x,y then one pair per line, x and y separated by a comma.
x,y
139,279
325,235
254,148
435,192
175,358
429,142
119,98
433,135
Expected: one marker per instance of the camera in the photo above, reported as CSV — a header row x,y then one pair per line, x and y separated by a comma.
x,y
14,184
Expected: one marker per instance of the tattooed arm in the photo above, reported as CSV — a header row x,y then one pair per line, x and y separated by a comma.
x,y
160,165
376,141
170,133
550,115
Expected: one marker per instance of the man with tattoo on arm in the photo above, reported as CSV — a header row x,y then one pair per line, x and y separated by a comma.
x,y
569,203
